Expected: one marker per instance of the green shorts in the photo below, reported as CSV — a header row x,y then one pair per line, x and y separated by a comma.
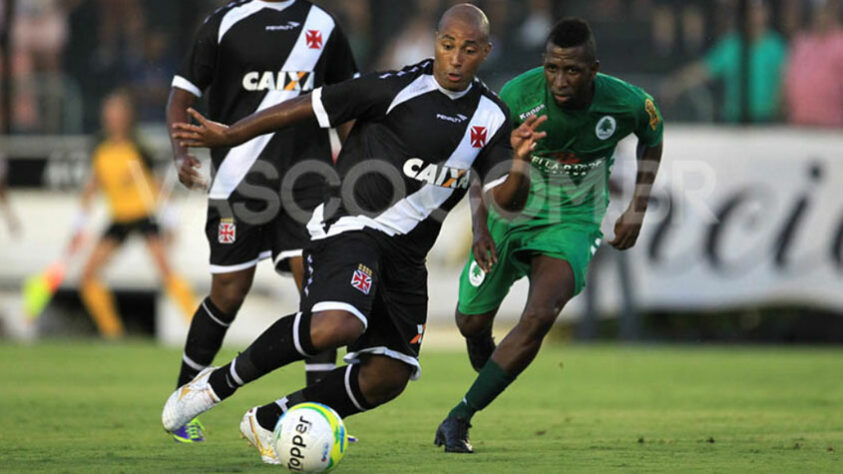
x,y
574,242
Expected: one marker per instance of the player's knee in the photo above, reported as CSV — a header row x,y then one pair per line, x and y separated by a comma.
x,y
330,329
471,324
383,378
537,321
89,273
228,292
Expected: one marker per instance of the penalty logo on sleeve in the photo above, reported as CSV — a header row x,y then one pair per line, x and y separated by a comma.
x,y
362,279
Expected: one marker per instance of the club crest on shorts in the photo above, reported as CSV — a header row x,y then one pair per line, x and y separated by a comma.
x,y
476,275
227,232
362,279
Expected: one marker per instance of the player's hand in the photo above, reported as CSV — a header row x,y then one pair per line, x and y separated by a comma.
x,y
207,134
524,138
484,250
187,167
627,228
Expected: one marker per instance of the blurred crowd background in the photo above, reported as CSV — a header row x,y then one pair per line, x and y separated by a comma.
x,y
67,54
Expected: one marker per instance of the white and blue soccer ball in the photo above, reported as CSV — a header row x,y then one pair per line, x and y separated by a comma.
x,y
310,437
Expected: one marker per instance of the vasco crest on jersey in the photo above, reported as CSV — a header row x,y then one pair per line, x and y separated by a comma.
x,y
362,279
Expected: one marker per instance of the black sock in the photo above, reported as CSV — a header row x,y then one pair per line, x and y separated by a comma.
x,y
345,399
319,366
207,330
286,341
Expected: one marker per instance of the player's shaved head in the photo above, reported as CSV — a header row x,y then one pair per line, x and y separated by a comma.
x,y
462,44
467,14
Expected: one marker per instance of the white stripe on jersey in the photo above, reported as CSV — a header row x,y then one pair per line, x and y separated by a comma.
x,y
184,84
240,159
407,213
414,89
319,109
422,85
246,10
492,184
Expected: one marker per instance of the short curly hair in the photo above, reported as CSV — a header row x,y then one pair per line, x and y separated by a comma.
x,y
573,32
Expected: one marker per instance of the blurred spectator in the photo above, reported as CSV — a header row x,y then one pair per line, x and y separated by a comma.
x,y
677,31
38,35
356,18
413,43
106,37
767,55
495,69
814,78
533,31
790,16
150,77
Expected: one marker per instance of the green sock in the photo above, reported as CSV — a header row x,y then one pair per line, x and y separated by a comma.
x,y
490,382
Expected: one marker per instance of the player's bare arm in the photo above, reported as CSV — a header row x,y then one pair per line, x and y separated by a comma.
x,y
482,246
212,134
186,164
511,195
628,225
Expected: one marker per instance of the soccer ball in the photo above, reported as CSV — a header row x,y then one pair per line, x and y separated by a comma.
x,y
310,437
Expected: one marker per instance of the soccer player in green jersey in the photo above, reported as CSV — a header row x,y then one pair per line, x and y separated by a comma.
x,y
555,236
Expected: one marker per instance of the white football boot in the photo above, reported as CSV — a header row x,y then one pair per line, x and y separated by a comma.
x,y
258,436
188,401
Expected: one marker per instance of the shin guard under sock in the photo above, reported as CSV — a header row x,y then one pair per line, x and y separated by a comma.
x,y
286,341
339,390
204,339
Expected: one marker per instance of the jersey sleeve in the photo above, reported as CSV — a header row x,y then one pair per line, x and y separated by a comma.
x,y
367,97
493,163
197,70
650,125
340,65
509,97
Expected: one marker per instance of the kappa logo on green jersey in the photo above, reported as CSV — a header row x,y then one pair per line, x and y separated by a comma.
x,y
606,127
535,110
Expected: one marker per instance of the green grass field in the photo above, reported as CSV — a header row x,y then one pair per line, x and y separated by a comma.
x,y
92,407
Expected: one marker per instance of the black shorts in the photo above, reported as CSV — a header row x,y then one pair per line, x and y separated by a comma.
x,y
120,230
367,275
238,239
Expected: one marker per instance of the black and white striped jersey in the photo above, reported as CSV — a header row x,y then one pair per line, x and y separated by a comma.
x,y
251,55
411,153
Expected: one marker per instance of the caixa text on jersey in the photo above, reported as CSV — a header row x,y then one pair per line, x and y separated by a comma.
x,y
300,81
437,175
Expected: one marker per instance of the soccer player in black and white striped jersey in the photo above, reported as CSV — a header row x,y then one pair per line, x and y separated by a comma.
x,y
249,56
421,135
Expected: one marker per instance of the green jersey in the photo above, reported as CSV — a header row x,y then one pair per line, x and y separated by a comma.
x,y
571,166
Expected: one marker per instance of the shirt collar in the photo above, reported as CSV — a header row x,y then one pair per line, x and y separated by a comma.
x,y
280,6
453,95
